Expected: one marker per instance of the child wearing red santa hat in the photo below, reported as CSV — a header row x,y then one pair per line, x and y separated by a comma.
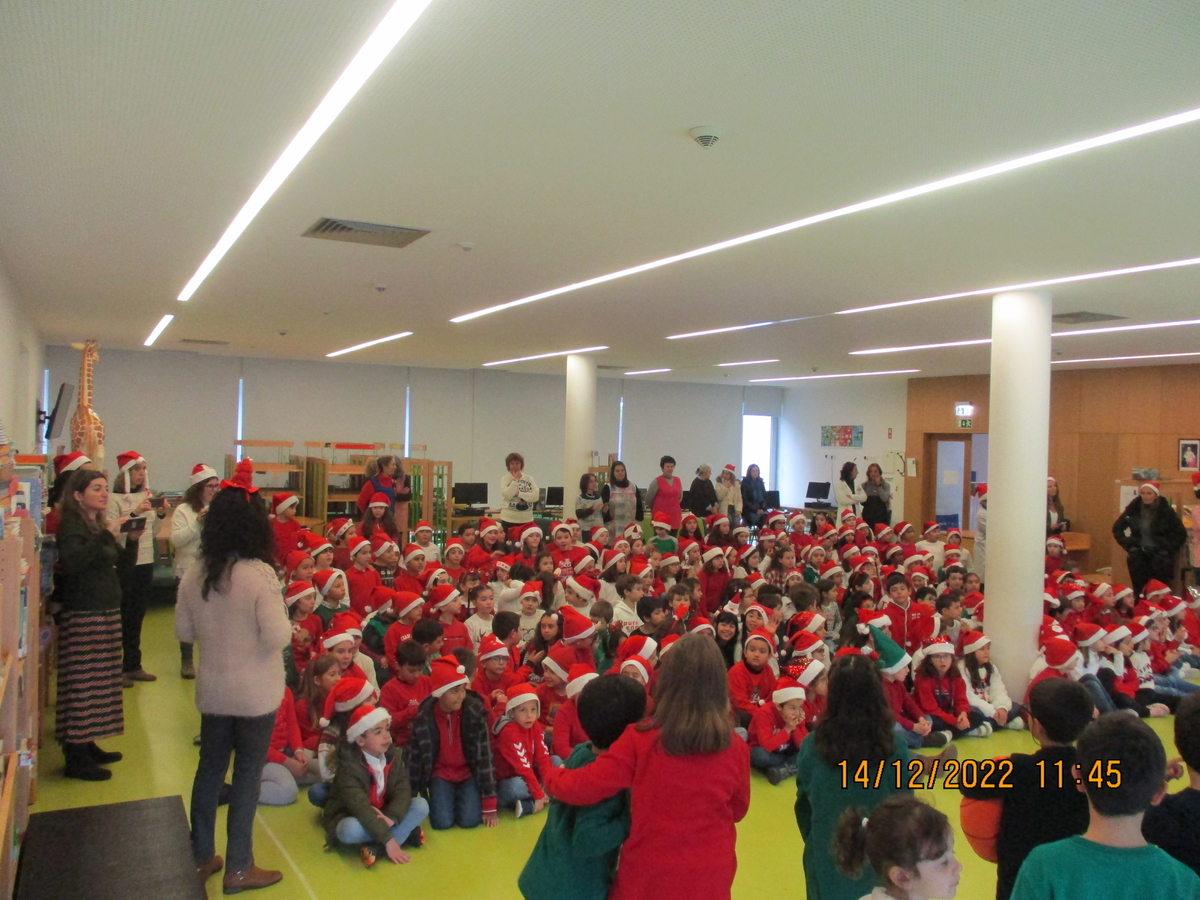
x,y
409,609
751,680
300,599
552,691
445,602
283,523
776,730
361,578
343,698
941,692
520,752
423,538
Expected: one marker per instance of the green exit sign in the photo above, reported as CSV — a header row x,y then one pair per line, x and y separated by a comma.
x,y
965,423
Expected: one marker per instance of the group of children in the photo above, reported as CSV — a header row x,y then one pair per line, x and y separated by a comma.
x,y
476,657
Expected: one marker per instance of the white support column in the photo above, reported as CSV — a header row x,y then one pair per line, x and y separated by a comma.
x,y
1018,457
580,422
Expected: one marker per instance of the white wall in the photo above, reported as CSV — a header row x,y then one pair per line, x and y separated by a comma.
x,y
20,370
878,404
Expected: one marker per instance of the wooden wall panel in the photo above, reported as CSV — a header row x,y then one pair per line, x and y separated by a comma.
x,y
1065,391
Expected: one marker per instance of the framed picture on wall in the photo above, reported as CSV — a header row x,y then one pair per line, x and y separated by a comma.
x,y
1189,455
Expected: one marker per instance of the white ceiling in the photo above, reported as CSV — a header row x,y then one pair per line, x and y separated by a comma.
x,y
554,137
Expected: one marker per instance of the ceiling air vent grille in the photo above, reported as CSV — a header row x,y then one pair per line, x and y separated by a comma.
x,y
364,232
202,341
1084,318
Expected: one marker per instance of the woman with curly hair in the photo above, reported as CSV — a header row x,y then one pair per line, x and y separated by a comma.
x,y
518,493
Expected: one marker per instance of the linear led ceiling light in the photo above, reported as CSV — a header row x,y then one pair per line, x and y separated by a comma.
x,y
1113,137
1059,362
382,340
749,362
1046,282
158,329
385,36
840,375
647,371
505,362
1081,331
971,343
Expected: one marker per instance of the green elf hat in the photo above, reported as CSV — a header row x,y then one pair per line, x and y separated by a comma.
x,y
892,657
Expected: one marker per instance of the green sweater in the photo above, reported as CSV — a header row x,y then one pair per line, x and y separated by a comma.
x,y
1079,869
820,801
350,794
576,854
88,579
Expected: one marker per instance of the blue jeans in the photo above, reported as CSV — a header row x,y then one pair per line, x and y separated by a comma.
x,y
1171,684
319,793
1099,694
910,737
350,830
510,790
452,803
766,759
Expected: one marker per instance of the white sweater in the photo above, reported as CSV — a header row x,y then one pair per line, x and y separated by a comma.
x,y
121,505
992,697
242,630
513,491
185,538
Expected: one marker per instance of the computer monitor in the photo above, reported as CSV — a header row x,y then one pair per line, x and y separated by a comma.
x,y
554,496
818,490
771,499
471,493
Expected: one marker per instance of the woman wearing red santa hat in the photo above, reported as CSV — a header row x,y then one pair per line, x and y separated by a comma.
x,y
130,496
1151,534
65,465
185,537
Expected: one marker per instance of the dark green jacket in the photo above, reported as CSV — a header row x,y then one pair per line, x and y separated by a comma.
x,y
88,559
350,794
576,854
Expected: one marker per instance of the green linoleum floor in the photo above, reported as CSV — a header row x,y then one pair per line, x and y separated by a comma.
x,y
161,720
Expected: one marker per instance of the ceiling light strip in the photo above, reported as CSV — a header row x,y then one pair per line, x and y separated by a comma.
x,y
1022,162
839,375
648,372
1062,362
158,330
970,343
505,362
749,362
385,36
382,340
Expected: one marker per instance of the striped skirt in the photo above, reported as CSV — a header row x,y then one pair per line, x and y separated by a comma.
x,y
89,704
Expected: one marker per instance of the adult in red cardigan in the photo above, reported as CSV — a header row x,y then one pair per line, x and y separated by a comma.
x,y
686,752
665,493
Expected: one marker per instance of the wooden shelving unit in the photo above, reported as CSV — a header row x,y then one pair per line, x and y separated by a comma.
x,y
286,471
327,466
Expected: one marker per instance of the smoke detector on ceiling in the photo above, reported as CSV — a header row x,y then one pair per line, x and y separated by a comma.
x,y
705,135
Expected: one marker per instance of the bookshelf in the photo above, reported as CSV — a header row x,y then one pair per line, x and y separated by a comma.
x,y
286,471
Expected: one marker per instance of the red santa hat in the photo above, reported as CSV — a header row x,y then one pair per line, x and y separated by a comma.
x,y
575,625
610,559
335,636
876,617
382,599
913,559
787,689
405,602
639,566
69,462
430,572
741,530
584,585
797,521
776,516
559,660
954,552
858,561
578,678
736,600
346,694
700,624
980,490
637,645
446,672
657,521
974,640
711,553
379,500
669,559
491,647
1120,591
1114,634
941,644
531,528
125,462
585,563
364,719
358,543
282,501
348,621
667,643
313,543
422,526
530,589
1059,653
1087,633
765,534
847,514
381,544
901,527
754,579
502,562
714,520
860,525
200,473
806,670
808,620
486,525
442,595
1155,588
411,552
1154,486
637,662
326,579
1055,541
761,634
556,527
293,561
295,591
804,643
518,694
338,527
932,525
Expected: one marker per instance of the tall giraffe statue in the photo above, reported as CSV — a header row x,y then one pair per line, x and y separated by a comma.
x,y
87,431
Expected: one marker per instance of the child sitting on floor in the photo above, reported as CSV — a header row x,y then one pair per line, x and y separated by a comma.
x,y
576,854
941,692
751,681
483,601
402,695
371,803
912,723
520,752
777,729
985,688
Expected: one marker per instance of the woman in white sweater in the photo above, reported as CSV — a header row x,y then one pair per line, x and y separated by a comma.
x,y
845,494
186,520
518,493
229,604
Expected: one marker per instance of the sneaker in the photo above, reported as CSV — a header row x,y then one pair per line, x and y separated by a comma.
x,y
936,739
416,838
982,731
1186,671
367,855
518,811
775,774
1016,723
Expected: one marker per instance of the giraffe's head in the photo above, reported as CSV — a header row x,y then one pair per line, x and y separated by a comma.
x,y
90,350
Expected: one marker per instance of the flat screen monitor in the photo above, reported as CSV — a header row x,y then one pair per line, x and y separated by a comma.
x,y
554,496
818,490
471,493
771,499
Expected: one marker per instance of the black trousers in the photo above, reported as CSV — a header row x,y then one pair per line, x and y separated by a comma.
x,y
1143,566
136,583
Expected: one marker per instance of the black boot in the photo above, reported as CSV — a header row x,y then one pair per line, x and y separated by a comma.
x,y
81,765
103,757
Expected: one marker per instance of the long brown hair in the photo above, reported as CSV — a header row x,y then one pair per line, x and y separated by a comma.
x,y
857,722
691,699
194,495
68,506
312,694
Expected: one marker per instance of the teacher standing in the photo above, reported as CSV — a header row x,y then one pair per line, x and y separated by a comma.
x,y
665,492
518,493
702,496
1151,534
843,490
754,497
229,604
877,508
622,500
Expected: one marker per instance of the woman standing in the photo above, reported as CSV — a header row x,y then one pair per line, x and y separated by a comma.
x,y
877,508
846,496
589,506
754,497
230,605
729,496
1056,516
673,853
385,476
130,497
186,522
665,492
518,492
980,551
1151,534
622,500
702,496
89,706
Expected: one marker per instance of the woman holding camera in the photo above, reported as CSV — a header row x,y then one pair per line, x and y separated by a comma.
x,y
186,522
130,499
518,493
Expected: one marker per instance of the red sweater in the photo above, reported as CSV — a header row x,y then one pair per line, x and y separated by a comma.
x,y
396,635
483,686
684,809
309,734
566,560
943,698
456,635
360,583
402,701
749,690
567,730
405,581
286,735
480,560
904,707
285,537
712,584
550,702
306,637
1045,675
451,764
521,753
767,731
905,629
814,708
